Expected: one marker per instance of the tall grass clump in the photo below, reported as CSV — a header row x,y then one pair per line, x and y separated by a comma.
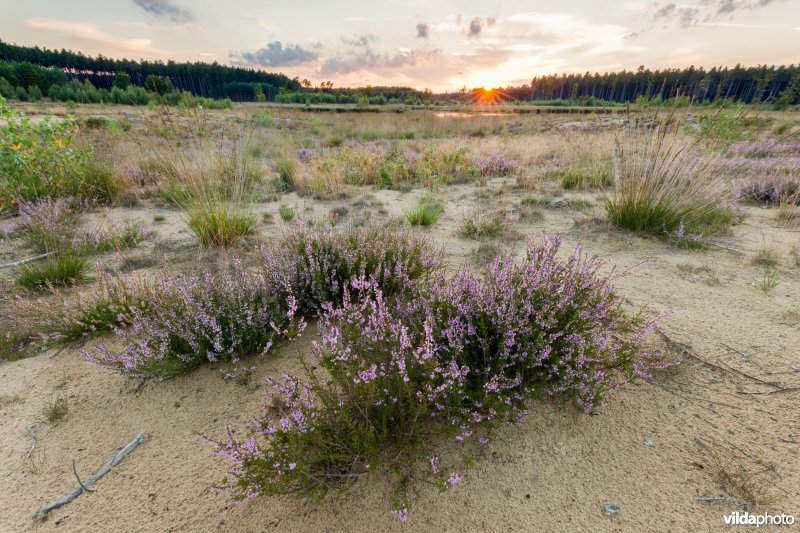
x,y
59,270
665,185
214,193
425,213
452,356
185,320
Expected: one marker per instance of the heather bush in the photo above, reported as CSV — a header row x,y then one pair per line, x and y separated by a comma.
x,y
175,323
200,317
452,355
316,263
495,164
484,225
52,225
109,304
774,188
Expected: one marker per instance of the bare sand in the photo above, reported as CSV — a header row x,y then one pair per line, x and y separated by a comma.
x,y
653,450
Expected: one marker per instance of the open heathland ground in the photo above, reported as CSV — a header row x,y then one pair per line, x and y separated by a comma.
x,y
185,190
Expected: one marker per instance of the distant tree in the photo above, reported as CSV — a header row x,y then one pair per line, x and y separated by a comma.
x,y
122,80
35,93
785,99
21,94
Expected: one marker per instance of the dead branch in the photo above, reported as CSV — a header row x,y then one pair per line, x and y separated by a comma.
x,y
78,478
137,440
26,260
33,444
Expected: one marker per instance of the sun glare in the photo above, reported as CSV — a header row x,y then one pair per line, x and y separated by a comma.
x,y
488,96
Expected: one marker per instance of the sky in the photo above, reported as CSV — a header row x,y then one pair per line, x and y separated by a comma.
x,y
435,44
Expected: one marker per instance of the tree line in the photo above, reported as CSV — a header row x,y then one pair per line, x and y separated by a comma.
x,y
759,84
24,66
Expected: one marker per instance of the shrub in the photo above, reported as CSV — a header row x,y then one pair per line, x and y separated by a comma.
x,y
210,316
109,304
234,311
61,269
53,225
483,225
467,352
38,159
662,183
774,188
495,164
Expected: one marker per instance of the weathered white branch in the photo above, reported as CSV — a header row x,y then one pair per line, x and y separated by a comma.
x,y
140,438
26,260
33,444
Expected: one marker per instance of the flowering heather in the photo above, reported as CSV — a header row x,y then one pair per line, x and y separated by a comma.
x,y
495,164
317,263
47,224
53,225
175,323
765,148
305,154
108,305
774,188
464,351
210,316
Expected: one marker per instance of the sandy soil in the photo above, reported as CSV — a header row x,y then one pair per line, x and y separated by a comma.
x,y
653,450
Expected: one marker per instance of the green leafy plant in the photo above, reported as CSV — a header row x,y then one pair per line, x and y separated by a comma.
x,y
38,159
768,280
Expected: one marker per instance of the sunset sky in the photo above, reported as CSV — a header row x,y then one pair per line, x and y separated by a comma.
x,y
425,44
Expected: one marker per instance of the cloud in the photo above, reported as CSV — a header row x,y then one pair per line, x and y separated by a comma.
x,y
361,40
703,11
166,9
369,60
423,30
90,33
274,54
475,27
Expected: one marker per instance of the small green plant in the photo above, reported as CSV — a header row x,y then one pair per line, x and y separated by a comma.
x,y
483,225
286,213
589,177
426,213
769,280
60,270
56,409
159,218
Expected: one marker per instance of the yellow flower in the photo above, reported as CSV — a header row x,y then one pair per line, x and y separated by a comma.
x,y
16,146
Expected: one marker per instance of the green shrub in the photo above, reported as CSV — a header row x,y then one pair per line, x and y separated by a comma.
x,y
38,159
